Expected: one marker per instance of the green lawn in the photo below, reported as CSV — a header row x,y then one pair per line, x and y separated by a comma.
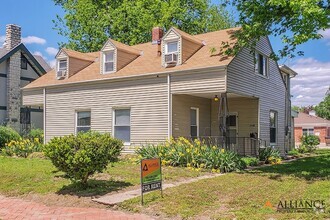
x,y
243,195
20,176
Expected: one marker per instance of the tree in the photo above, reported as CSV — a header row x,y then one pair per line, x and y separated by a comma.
x,y
88,23
295,21
323,108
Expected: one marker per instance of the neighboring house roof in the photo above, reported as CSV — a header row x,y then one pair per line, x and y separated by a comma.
x,y
307,120
42,62
148,62
5,54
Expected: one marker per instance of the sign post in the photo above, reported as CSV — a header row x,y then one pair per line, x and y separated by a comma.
x,y
151,176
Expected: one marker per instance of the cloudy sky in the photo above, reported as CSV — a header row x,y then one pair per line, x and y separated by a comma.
x,y
35,17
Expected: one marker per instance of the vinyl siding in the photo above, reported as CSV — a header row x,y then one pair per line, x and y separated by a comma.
x,y
33,97
241,79
181,115
169,37
188,49
75,65
147,99
198,82
247,112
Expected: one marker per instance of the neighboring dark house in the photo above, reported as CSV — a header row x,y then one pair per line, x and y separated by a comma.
x,y
18,67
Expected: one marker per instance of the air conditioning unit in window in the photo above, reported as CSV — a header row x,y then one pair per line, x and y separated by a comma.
x,y
171,58
61,74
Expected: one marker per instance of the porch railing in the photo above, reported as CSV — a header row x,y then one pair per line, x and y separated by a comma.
x,y
245,146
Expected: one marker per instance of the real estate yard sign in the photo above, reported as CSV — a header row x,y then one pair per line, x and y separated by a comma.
x,y
151,176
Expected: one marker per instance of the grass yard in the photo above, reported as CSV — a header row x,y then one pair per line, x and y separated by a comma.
x,y
243,195
19,176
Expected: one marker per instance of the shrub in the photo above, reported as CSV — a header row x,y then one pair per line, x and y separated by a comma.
x,y
36,134
294,152
250,161
22,148
302,149
310,142
83,155
194,155
267,154
7,134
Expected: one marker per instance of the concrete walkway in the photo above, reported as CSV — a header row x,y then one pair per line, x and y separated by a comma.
x,y
114,198
14,208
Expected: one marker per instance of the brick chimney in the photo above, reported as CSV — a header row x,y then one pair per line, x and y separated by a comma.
x,y
13,36
157,34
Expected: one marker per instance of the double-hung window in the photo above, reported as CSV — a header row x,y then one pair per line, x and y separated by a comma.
x,y
108,61
122,125
273,127
62,65
308,131
83,121
172,47
261,64
194,122
171,52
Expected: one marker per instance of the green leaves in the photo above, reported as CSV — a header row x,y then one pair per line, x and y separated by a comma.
x,y
87,24
323,108
84,154
294,21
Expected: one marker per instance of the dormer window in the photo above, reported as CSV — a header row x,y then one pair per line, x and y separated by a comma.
x,y
108,60
62,65
171,52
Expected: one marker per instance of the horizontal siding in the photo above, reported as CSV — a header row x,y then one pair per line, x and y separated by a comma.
x,y
147,99
181,105
33,97
247,112
199,82
3,91
242,79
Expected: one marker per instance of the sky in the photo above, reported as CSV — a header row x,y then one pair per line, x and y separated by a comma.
x,y
38,34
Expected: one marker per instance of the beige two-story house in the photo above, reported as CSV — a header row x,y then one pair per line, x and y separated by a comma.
x,y
171,86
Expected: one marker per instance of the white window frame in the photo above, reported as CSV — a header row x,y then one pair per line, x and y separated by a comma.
x,y
58,65
265,66
76,119
308,131
197,120
104,62
276,127
130,123
177,47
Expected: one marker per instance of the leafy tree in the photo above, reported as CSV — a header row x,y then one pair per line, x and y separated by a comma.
x,y
88,23
295,21
323,108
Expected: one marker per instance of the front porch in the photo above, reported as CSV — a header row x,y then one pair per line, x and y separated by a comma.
x,y
197,116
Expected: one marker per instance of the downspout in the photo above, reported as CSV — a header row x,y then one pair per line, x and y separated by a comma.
x,y
44,114
169,105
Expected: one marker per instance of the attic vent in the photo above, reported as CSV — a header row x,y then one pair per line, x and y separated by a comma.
x,y
61,74
171,58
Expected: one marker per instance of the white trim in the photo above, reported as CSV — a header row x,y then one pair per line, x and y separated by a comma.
x,y
114,61
44,114
276,127
197,120
120,78
76,119
169,105
256,62
130,122
58,64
